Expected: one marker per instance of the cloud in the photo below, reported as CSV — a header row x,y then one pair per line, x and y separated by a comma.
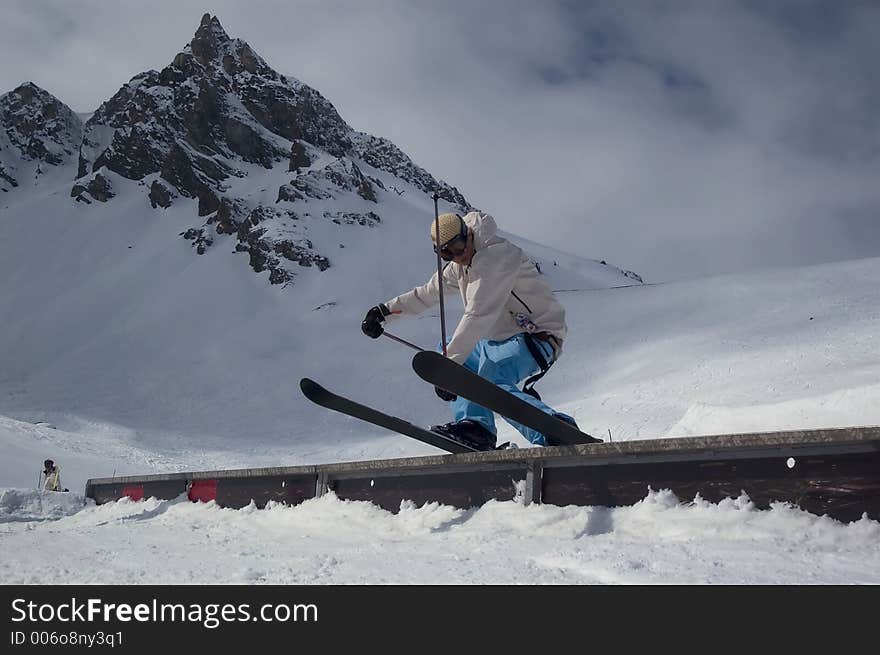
x,y
674,138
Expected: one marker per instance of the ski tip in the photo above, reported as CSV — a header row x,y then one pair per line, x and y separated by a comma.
x,y
425,360
309,386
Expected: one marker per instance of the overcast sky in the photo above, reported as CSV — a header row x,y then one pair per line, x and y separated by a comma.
x,y
675,138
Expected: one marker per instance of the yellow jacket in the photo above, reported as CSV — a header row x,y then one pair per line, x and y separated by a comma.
x,y
53,480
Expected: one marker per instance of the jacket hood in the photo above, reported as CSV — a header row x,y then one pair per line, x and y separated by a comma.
x,y
483,227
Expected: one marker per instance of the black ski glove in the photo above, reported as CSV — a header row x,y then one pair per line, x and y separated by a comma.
x,y
372,324
448,396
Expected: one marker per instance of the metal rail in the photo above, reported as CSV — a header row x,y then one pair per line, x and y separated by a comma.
x,y
834,472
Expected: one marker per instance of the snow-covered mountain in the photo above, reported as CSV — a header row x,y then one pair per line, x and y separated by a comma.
x,y
256,149
248,152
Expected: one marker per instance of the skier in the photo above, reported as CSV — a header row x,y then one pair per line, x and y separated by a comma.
x,y
52,475
512,328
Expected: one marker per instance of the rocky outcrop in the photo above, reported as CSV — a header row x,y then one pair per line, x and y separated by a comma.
x,y
334,180
299,157
384,155
347,176
96,188
273,255
354,218
160,195
200,238
7,182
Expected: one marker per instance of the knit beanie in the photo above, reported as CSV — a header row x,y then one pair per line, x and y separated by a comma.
x,y
451,225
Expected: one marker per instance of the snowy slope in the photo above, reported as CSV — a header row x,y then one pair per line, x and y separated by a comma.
x,y
769,350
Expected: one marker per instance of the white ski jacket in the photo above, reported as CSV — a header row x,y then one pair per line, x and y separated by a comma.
x,y
500,283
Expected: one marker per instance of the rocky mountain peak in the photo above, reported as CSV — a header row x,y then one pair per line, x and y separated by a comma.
x,y
212,47
218,106
218,118
209,39
35,127
40,124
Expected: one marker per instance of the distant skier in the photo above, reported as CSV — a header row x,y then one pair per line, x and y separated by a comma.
x,y
512,328
52,476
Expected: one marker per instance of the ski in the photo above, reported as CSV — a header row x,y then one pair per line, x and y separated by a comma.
x,y
321,396
446,374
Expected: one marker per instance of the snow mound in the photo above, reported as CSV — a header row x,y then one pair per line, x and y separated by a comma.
x,y
33,505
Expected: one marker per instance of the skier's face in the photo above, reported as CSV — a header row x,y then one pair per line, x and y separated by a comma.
x,y
453,248
459,250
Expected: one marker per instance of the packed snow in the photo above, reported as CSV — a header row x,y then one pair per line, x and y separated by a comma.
x,y
122,352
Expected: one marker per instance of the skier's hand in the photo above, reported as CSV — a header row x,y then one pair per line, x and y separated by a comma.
x,y
372,323
448,396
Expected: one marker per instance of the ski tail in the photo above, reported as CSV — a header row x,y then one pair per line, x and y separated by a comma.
x,y
321,396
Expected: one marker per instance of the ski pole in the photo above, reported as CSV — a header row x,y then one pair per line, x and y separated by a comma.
x,y
403,341
439,273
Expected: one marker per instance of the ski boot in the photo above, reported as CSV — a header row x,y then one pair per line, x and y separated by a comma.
x,y
470,433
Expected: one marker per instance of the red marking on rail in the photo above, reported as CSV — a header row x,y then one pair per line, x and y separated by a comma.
x,y
134,491
202,490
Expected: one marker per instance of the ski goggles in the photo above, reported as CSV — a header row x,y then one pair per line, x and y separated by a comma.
x,y
453,248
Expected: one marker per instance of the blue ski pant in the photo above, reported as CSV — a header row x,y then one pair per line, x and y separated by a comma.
x,y
506,363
